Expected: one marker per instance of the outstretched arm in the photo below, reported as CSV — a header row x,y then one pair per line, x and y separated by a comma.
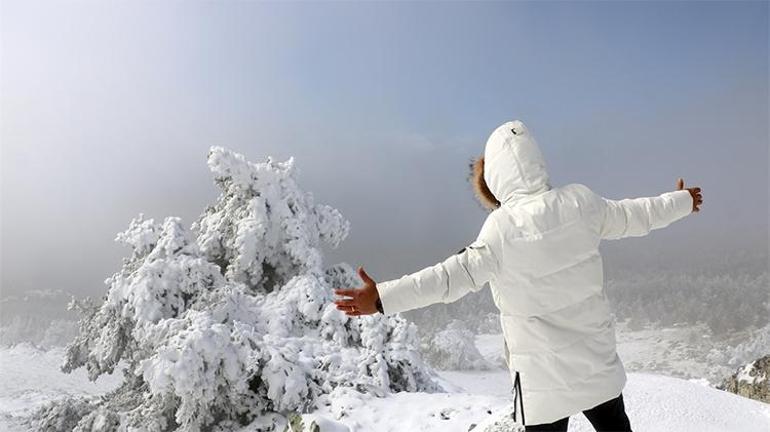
x,y
445,282
634,217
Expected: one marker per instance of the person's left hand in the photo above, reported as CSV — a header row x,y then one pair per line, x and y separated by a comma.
x,y
363,299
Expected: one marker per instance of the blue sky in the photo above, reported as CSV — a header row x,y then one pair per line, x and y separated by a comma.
x,y
108,109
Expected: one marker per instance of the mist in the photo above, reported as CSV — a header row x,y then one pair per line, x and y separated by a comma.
x,y
108,111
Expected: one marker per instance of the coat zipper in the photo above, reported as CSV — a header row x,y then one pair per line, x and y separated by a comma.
x,y
517,398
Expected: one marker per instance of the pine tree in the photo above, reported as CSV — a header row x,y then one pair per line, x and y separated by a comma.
x,y
231,322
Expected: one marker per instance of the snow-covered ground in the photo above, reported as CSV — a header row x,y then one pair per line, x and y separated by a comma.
x,y
682,351
30,377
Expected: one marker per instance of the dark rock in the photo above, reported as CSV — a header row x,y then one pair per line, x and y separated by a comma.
x,y
751,380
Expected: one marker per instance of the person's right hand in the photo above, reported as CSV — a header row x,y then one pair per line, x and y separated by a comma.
x,y
362,300
697,198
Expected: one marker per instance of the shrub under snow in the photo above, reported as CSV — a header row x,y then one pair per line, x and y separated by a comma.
x,y
455,348
232,322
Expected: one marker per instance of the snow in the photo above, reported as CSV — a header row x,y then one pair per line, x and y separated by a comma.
x,y
30,377
745,375
231,321
454,347
654,403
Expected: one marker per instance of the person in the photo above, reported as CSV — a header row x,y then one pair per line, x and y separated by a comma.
x,y
538,252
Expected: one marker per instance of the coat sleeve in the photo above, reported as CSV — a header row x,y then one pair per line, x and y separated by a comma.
x,y
467,270
635,217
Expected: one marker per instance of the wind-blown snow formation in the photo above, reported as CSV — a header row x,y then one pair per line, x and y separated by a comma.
x,y
231,323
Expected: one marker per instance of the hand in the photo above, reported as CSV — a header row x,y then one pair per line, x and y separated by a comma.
x,y
697,198
363,299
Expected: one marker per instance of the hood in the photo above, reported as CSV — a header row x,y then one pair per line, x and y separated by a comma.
x,y
513,164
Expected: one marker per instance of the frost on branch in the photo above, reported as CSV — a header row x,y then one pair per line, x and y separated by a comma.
x,y
231,322
455,348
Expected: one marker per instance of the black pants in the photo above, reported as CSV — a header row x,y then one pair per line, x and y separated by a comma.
x,y
609,416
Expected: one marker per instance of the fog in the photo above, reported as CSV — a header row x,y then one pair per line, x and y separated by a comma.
x,y
108,111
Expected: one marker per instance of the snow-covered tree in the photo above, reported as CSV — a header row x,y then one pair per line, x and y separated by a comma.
x,y
232,322
455,348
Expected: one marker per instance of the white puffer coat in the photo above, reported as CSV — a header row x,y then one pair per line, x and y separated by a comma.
x,y
539,253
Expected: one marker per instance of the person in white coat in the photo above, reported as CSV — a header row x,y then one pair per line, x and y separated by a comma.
x,y
538,251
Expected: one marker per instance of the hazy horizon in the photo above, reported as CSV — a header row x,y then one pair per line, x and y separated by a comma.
x,y
108,111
